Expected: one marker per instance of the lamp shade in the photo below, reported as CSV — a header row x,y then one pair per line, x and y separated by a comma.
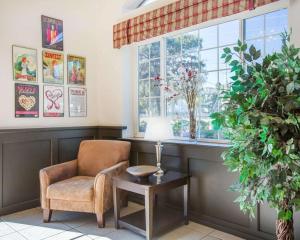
x,y
158,129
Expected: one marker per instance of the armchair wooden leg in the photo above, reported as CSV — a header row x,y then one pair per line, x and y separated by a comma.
x,y
100,220
47,213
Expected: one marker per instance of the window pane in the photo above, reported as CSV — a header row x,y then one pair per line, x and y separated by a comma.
x,y
144,70
143,52
154,68
206,129
143,108
149,68
273,44
209,37
190,43
154,107
143,88
155,88
177,107
276,22
229,33
209,102
173,64
142,124
180,127
224,79
254,27
210,59
177,110
155,50
211,81
190,61
173,46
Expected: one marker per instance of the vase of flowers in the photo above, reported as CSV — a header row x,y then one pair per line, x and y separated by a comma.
x,y
187,85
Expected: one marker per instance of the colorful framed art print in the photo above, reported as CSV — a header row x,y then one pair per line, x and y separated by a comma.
x,y
26,101
53,101
76,70
24,64
52,33
53,67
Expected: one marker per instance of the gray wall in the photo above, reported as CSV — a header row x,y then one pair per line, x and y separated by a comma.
x,y
23,152
211,202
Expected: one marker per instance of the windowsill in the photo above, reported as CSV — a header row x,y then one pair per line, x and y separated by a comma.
x,y
200,142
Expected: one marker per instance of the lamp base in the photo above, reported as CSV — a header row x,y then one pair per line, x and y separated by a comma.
x,y
159,173
158,148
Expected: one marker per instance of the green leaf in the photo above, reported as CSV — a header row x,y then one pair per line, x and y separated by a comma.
x,y
290,141
237,49
228,58
296,202
227,50
252,50
244,47
234,78
218,120
290,87
257,55
285,215
248,57
234,63
270,148
223,55
244,175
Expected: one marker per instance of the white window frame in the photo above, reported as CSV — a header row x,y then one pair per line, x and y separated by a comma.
x,y
240,16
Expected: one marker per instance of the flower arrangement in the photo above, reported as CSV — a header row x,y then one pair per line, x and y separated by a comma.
x,y
187,85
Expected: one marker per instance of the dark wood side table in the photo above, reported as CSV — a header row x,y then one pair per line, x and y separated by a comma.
x,y
142,221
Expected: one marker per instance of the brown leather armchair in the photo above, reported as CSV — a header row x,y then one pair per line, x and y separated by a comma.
x,y
84,184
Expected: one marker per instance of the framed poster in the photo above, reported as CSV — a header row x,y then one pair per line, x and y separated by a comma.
x,y
52,33
53,101
76,69
26,100
53,67
77,102
24,64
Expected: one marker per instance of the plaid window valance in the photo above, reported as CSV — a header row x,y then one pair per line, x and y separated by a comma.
x,y
178,15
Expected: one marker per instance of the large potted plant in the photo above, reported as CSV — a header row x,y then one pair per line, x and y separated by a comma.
x,y
261,118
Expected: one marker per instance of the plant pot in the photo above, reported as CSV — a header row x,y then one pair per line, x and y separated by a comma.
x,y
285,229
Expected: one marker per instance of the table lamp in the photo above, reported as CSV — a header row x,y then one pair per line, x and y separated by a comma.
x,y
158,129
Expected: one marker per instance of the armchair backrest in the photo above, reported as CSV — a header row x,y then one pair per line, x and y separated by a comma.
x,y
97,155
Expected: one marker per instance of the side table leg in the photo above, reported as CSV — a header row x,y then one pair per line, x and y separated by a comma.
x,y
186,203
149,213
116,195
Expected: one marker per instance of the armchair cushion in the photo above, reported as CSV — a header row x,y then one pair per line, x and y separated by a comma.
x,y
79,188
97,155
53,174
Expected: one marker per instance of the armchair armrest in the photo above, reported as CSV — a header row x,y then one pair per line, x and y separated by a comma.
x,y
55,173
103,186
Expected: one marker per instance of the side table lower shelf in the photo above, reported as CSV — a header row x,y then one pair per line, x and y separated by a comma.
x,y
164,220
